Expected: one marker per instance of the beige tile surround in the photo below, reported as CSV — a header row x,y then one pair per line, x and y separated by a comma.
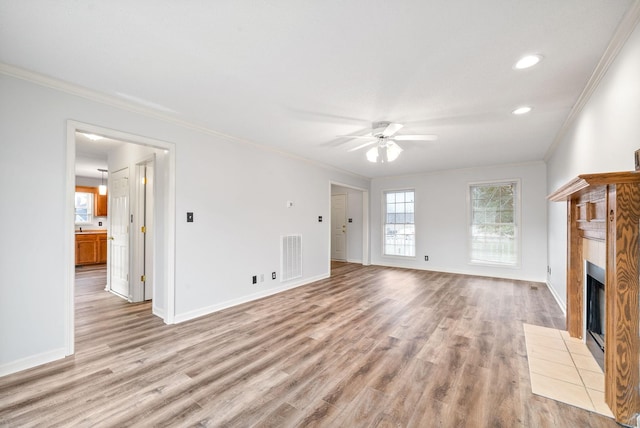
x,y
563,369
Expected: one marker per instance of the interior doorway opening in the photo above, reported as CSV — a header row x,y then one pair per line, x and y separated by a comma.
x,y
145,171
349,236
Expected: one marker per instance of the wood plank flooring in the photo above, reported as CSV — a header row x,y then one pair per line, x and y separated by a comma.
x,y
370,346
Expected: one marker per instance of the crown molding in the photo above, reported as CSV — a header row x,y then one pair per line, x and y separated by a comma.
x,y
627,25
99,97
102,98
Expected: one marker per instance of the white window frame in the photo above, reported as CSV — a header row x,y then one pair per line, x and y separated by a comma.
x,y
516,221
384,224
89,209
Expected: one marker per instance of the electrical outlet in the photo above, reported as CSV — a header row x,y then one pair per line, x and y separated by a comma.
x,y
189,217
426,258
254,279
273,275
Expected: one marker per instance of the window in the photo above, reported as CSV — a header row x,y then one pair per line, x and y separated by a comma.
x,y
84,208
399,225
494,232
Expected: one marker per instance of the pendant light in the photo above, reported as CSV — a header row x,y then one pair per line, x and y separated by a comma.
x,y
102,188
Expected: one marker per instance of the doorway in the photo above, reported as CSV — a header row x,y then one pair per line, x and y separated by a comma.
x,y
155,257
339,227
349,236
144,230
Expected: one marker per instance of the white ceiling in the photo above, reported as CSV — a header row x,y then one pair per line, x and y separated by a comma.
x,y
92,155
294,74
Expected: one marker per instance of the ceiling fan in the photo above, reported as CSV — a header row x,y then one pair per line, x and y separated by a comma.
x,y
384,137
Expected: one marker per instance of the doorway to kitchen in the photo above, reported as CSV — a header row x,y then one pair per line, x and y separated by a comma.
x,y
143,170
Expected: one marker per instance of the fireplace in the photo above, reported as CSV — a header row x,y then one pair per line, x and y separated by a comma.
x,y
603,227
595,308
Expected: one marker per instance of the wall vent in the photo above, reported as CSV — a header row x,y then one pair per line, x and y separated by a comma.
x,y
291,259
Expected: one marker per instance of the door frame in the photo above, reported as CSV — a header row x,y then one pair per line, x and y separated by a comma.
x,y
143,212
166,257
366,256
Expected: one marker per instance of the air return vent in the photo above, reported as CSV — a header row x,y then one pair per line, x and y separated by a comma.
x,y
291,257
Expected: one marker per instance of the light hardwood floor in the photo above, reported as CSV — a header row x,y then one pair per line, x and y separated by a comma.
x,y
370,346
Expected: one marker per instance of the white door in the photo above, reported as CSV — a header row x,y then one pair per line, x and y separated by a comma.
x,y
119,218
339,227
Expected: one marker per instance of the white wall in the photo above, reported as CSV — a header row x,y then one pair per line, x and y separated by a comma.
x,y
354,229
237,191
442,220
603,138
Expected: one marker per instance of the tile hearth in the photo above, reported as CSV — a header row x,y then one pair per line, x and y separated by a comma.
x,y
563,369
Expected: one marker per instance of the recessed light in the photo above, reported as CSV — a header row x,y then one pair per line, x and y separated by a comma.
x,y
527,61
93,137
522,110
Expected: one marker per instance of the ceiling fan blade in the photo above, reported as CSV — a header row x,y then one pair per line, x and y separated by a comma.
x,y
427,137
391,129
355,136
361,146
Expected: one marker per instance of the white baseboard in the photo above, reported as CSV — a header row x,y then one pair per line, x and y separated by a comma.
x,y
159,312
562,306
255,296
359,261
31,361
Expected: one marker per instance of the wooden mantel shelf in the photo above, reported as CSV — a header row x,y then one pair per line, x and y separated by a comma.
x,y
583,182
605,209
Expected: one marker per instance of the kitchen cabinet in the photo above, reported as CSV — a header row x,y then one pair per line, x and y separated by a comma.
x,y
99,201
91,248
102,247
100,205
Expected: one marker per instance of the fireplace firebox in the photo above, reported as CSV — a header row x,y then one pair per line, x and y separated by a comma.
x,y
595,312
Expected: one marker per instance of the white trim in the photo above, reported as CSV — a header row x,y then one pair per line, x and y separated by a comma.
x,y
492,274
138,256
245,299
32,361
69,243
366,246
80,91
627,25
169,226
562,306
159,312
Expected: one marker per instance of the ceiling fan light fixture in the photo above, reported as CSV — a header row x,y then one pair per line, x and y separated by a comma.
x,y
372,154
393,151
527,61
